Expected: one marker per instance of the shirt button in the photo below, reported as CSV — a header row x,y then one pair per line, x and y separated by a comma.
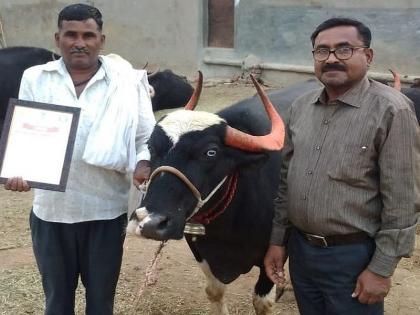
x,y
304,198
326,121
318,147
309,172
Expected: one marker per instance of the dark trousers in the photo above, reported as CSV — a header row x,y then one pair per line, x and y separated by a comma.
x,y
90,249
324,278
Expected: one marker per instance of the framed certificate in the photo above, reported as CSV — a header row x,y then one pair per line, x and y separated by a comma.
x,y
37,143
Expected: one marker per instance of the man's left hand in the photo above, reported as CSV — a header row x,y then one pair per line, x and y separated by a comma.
x,y
371,288
141,173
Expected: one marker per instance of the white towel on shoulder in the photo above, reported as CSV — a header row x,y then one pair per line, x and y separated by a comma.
x,y
111,140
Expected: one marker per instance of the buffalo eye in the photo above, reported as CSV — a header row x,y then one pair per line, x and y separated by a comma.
x,y
211,153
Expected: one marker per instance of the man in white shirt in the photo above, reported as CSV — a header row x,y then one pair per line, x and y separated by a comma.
x,y
81,231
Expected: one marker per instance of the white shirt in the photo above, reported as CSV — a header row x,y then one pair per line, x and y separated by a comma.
x,y
92,192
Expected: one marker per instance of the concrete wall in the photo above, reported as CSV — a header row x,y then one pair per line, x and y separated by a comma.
x,y
172,33
277,32
280,30
162,32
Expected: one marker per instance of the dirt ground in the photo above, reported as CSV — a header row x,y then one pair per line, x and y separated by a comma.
x,y
180,286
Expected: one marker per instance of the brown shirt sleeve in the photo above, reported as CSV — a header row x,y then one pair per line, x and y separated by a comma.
x,y
399,164
280,222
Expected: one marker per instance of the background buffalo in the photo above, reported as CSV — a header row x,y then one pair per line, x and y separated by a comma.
x,y
13,61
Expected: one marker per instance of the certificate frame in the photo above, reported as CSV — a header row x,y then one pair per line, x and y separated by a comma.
x,y
47,128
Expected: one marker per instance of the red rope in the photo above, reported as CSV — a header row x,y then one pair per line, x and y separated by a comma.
x,y
212,213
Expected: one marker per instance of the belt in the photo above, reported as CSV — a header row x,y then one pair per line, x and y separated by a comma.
x,y
332,240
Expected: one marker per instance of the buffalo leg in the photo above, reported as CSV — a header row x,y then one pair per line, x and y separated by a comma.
x,y
261,300
215,291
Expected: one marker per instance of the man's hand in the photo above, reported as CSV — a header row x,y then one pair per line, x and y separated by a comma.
x,y
17,184
274,264
141,173
371,288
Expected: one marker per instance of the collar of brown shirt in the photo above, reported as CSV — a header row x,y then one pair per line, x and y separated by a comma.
x,y
353,96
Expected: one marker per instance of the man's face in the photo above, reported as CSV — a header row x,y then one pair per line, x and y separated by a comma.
x,y
342,74
79,43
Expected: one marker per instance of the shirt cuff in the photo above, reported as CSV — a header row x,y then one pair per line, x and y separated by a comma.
x,y
382,264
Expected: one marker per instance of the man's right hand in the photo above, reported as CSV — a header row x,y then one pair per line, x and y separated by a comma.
x,y
274,264
17,184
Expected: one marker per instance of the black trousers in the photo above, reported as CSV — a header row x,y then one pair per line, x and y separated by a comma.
x,y
324,278
90,249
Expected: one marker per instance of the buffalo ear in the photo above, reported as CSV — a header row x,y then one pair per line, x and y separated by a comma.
x,y
251,160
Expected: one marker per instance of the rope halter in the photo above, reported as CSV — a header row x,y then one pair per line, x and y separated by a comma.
x,y
191,228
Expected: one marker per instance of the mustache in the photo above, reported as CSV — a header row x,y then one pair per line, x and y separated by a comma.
x,y
333,66
79,50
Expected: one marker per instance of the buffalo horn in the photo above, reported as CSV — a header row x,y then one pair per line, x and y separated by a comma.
x,y
192,103
152,74
273,141
397,79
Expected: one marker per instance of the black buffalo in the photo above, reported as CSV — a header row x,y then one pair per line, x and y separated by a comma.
x,y
195,154
169,89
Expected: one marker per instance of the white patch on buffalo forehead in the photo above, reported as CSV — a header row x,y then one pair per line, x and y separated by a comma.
x,y
180,122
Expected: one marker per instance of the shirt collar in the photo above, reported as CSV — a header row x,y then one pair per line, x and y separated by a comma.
x,y
56,66
352,97
355,95
319,97
60,67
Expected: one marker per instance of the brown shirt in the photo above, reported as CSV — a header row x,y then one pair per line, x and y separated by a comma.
x,y
353,165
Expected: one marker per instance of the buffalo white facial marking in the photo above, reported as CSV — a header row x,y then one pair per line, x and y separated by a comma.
x,y
135,226
180,122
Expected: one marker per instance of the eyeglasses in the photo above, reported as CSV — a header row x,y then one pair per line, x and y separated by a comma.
x,y
341,53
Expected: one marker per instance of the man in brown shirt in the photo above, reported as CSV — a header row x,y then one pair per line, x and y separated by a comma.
x,y
347,204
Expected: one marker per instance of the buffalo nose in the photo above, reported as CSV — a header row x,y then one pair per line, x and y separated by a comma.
x,y
155,227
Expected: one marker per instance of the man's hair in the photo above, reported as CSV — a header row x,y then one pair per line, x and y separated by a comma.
x,y
364,31
80,12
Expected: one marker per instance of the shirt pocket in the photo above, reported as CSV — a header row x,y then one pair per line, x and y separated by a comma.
x,y
353,164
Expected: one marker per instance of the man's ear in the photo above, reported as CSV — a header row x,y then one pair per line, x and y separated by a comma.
x,y
369,55
102,41
250,160
56,37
